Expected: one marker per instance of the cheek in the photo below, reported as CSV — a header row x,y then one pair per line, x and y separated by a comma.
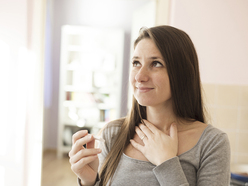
x,y
163,83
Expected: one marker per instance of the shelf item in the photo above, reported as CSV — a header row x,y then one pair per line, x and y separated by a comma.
x,y
90,80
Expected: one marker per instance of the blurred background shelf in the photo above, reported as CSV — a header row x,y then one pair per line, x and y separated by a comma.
x,y
91,65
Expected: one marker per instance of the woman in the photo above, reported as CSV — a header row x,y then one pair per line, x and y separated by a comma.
x,y
163,140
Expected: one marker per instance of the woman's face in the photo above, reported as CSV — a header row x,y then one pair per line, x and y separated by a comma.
x,y
149,77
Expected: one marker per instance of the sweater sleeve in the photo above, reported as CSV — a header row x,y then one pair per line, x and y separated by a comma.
x,y
170,173
214,167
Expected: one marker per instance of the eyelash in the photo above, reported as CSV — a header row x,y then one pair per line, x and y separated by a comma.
x,y
157,62
154,63
135,63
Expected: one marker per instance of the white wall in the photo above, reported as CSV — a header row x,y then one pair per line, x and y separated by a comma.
x,y
95,13
13,36
219,30
21,80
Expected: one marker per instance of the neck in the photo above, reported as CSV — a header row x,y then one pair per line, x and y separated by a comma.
x,y
162,118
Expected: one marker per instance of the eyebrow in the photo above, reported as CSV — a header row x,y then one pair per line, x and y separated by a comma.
x,y
136,57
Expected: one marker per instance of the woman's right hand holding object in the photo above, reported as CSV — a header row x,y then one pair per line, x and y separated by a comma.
x,y
84,161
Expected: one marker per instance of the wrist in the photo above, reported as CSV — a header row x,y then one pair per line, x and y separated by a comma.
x,y
82,183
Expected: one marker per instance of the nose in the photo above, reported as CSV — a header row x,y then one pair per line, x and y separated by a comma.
x,y
142,75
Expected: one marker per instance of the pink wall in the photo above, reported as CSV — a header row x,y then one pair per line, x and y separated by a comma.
x,y
219,30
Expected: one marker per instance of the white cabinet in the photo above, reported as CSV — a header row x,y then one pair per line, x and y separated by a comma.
x,y
90,80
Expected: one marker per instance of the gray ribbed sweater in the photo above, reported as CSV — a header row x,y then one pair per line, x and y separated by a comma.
x,y
206,164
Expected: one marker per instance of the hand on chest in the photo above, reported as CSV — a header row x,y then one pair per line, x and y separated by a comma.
x,y
186,140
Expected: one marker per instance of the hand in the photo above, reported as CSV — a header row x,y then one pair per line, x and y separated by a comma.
x,y
158,146
84,161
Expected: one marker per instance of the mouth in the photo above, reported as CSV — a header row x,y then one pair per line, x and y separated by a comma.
x,y
144,89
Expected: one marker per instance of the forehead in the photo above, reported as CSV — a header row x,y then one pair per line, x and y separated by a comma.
x,y
146,47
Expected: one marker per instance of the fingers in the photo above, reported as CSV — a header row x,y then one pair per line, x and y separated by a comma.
x,y
140,133
148,129
82,162
78,145
151,127
155,130
84,153
137,146
79,135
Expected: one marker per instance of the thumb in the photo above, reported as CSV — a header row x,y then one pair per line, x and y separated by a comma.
x,y
91,143
173,131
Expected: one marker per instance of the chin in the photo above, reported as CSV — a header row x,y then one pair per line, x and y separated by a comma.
x,y
145,100
145,103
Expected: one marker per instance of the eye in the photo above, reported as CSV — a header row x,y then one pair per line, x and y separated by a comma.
x,y
136,63
157,64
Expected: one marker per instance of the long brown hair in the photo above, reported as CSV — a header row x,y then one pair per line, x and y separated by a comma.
x,y
181,61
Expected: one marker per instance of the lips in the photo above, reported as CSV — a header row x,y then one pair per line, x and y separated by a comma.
x,y
144,89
